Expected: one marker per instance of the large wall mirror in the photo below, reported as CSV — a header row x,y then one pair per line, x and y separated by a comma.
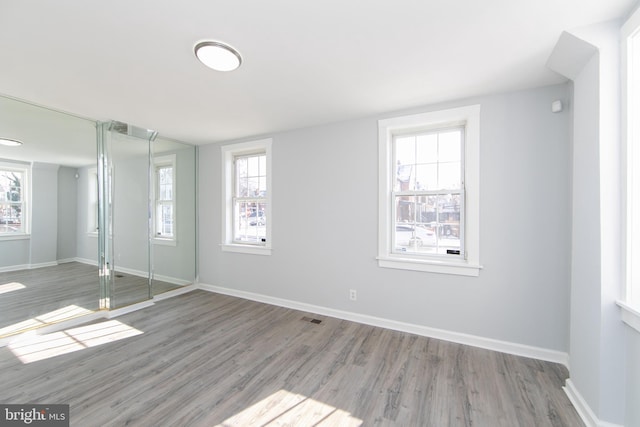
x,y
49,202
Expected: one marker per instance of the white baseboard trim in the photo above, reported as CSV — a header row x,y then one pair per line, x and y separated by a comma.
x,y
14,268
128,309
582,407
460,338
44,264
27,266
140,273
175,292
172,280
86,261
66,260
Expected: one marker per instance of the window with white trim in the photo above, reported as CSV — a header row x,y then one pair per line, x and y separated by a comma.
x,y
14,199
631,164
247,197
92,197
428,192
164,195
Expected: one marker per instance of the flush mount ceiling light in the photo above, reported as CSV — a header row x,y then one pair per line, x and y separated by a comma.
x,y
10,142
218,56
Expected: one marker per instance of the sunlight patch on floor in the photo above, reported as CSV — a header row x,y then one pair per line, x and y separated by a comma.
x,y
40,347
50,318
9,287
286,408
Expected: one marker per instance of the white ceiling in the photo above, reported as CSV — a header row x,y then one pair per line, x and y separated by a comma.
x,y
304,63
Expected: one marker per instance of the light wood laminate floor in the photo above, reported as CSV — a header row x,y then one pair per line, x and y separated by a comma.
x,y
203,359
41,296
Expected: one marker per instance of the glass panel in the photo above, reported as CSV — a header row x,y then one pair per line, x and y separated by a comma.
x,y
174,262
412,234
250,222
405,150
129,170
426,177
449,144
427,224
52,138
449,176
448,224
253,169
427,148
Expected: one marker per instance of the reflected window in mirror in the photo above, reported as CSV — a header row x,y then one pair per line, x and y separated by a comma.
x,y
92,208
14,199
164,199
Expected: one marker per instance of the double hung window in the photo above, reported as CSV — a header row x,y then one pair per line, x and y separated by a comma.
x,y
428,192
14,191
165,197
247,197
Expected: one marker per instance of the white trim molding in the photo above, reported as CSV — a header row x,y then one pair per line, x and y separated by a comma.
x,y
582,407
425,331
630,316
227,168
469,263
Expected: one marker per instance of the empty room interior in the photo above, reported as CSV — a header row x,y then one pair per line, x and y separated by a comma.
x,y
239,213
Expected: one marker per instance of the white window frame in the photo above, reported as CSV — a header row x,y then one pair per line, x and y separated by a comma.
x,y
469,263
160,162
229,152
25,169
630,38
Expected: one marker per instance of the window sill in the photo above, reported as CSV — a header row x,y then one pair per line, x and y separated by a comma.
x,y
630,315
245,249
431,266
164,242
20,236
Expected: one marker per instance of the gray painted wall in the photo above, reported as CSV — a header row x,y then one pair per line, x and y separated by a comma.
x,y
325,227
598,345
67,213
585,262
44,213
632,415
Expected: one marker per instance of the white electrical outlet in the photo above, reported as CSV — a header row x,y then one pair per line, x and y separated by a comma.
x,y
352,294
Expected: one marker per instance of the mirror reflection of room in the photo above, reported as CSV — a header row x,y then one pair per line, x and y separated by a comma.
x,y
49,204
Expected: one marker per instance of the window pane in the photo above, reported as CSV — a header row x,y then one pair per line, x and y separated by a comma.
x,y
405,209
449,176
426,177
263,165
405,150
448,223
427,224
427,148
262,186
253,167
404,179
411,235
449,144
165,218
250,222
241,167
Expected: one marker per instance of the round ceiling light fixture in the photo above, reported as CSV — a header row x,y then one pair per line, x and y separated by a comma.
x,y
10,142
218,56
